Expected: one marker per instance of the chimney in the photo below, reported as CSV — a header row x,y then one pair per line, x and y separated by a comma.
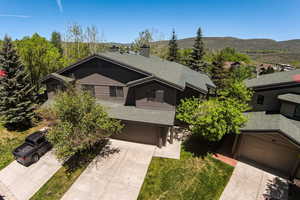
x,y
145,50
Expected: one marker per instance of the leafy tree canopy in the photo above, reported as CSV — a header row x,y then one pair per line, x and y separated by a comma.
x,y
145,38
216,117
81,123
231,55
57,41
39,56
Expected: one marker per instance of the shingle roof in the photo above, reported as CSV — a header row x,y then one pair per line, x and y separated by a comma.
x,y
260,121
131,113
60,77
168,71
273,79
294,98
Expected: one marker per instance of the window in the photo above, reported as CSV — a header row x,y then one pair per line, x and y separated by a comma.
x,y
155,95
260,99
41,140
116,91
89,88
297,111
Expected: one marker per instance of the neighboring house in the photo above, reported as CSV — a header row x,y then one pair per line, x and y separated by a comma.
x,y
232,65
271,137
141,90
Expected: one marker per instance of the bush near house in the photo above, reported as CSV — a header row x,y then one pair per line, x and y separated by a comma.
x,y
82,123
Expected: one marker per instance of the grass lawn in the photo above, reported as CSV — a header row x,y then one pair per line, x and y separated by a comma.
x,y
63,179
191,177
59,183
10,140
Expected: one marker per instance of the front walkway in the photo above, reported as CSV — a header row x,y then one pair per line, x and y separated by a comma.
x,y
169,151
20,183
250,183
117,177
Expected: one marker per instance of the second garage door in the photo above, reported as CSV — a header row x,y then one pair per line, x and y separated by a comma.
x,y
146,134
271,150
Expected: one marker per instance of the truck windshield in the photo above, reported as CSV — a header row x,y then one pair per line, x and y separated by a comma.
x,y
29,142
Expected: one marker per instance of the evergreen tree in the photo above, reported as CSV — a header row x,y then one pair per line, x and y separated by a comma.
x,y
173,49
16,92
198,53
56,41
218,74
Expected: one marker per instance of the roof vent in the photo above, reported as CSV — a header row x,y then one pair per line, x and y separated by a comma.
x,y
145,50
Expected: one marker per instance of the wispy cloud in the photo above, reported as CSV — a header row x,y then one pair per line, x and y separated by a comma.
x,y
18,16
60,6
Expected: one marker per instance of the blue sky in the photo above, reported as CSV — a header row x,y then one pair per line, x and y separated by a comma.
x,y
121,20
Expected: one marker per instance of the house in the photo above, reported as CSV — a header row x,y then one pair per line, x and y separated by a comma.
x,y
232,65
271,136
140,90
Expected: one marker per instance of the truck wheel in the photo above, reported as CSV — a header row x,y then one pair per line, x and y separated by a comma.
x,y
35,158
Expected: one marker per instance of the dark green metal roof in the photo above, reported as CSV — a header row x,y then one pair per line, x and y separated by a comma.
x,y
294,98
273,79
260,121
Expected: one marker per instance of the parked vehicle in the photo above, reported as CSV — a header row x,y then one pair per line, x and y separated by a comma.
x,y
32,149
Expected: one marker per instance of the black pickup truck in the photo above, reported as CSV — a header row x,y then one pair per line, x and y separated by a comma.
x,y
32,149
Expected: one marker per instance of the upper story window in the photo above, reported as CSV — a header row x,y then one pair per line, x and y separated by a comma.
x,y
155,95
260,99
116,91
89,88
297,112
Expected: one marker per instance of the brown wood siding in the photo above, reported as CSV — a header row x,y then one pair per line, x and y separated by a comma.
x,y
141,100
188,93
271,102
287,109
102,84
104,68
271,150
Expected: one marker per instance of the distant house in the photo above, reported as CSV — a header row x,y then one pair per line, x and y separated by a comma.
x,y
140,90
271,137
232,65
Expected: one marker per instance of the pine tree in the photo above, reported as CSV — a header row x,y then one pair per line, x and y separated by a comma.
x,y
16,92
56,41
218,74
173,49
197,54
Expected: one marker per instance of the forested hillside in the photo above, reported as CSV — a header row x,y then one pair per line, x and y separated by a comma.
x,y
263,50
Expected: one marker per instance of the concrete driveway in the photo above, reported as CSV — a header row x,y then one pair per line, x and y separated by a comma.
x,y
116,177
20,183
250,183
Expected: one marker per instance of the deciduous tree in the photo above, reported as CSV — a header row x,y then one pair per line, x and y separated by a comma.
x,y
82,123
57,41
39,57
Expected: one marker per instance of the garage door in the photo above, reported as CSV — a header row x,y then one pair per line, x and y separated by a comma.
x,y
139,133
271,150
